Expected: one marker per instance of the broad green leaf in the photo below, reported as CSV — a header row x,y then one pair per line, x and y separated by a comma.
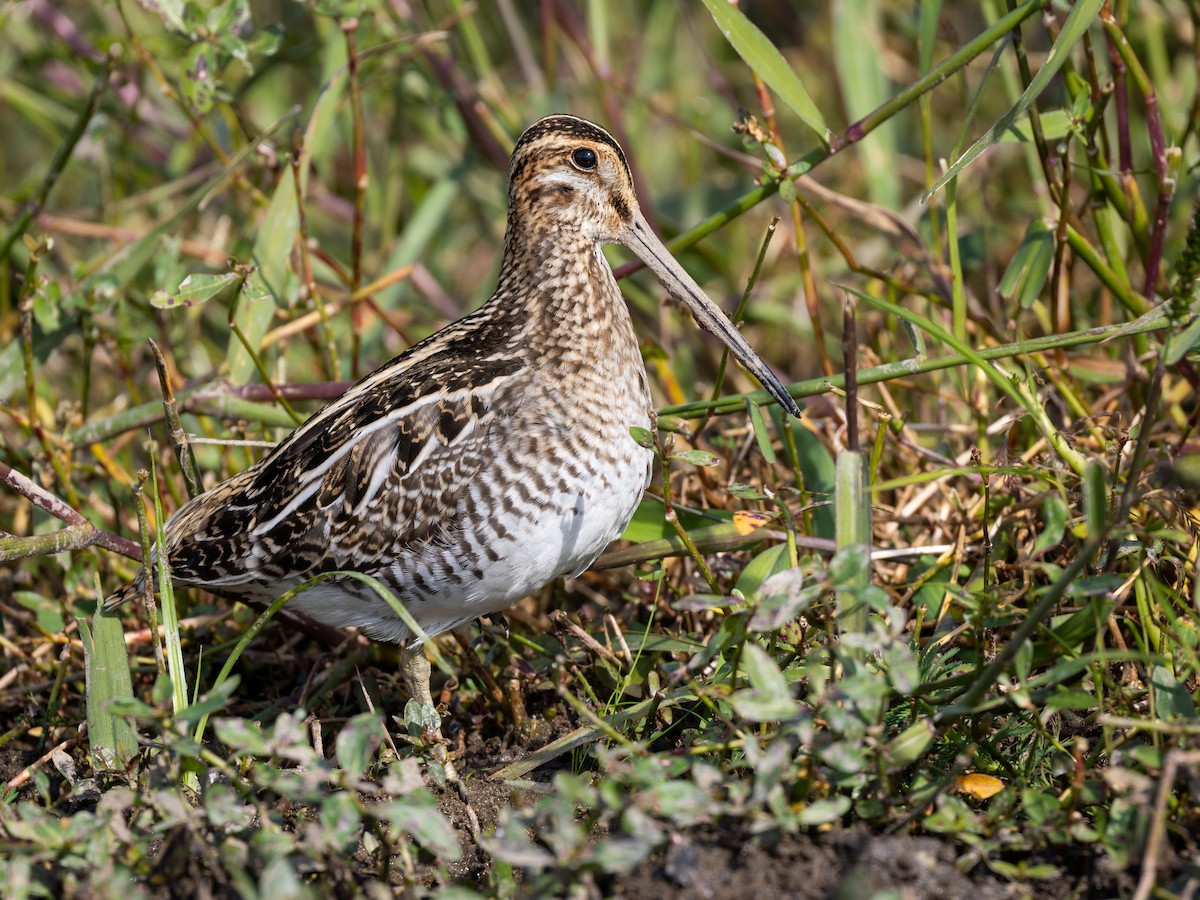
x,y
357,742
758,570
781,598
1030,266
819,470
649,522
1056,124
910,745
823,812
769,697
111,735
1054,515
697,457
767,62
1078,20
340,821
417,815
197,79
643,436
171,13
193,290
1172,699
863,86
1182,342
243,736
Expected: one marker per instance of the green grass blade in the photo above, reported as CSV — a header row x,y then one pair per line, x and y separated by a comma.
x,y
1073,29
113,738
852,503
864,86
768,63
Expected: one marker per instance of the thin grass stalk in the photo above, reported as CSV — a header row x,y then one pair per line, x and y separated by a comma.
x,y
909,367
315,297
853,521
349,28
175,429
173,650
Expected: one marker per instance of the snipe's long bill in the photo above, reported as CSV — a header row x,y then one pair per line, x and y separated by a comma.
x,y
488,459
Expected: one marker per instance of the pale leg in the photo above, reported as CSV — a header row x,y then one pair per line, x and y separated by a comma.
x,y
414,672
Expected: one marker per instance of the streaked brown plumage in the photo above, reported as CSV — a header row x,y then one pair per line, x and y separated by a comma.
x,y
484,461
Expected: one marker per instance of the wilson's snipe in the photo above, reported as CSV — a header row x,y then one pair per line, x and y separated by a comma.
x,y
485,461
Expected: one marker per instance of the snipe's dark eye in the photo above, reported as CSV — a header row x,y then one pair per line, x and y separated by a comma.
x,y
585,158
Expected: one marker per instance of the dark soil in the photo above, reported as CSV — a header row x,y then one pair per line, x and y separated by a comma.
x,y
847,865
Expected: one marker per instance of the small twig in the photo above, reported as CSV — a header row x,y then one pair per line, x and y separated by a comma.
x,y
850,367
63,511
175,430
144,532
25,774
560,622
349,29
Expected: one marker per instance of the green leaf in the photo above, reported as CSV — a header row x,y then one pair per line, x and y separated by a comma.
x,y
1030,266
643,436
193,290
1172,699
340,821
229,17
849,565
1056,124
697,457
1078,20
649,522
112,736
1095,498
769,697
758,570
859,60
1182,342
781,598
761,435
819,470
927,27
1054,515
216,699
357,742
171,12
746,491
196,78
910,745
823,812
243,736
767,62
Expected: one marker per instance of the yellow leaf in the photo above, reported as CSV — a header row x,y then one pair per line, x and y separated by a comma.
x,y
747,521
977,785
